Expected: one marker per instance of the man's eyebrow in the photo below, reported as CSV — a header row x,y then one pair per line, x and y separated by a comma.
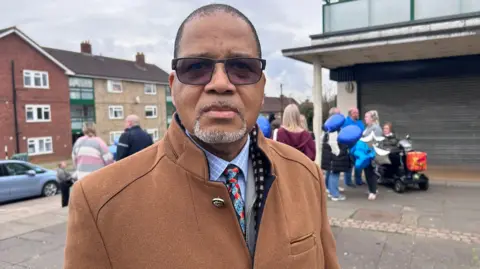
x,y
212,56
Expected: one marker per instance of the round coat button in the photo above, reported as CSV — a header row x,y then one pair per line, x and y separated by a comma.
x,y
218,202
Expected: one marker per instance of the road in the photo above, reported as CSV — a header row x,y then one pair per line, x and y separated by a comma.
x,y
416,230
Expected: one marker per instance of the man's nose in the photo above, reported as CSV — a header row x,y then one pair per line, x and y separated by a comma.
x,y
220,82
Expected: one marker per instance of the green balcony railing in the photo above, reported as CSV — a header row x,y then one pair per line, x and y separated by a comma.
x,y
352,14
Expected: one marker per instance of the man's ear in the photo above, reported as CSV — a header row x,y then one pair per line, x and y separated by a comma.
x,y
171,79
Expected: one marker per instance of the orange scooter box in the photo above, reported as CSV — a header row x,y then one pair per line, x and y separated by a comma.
x,y
417,161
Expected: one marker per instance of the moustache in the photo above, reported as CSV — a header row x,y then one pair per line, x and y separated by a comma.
x,y
220,105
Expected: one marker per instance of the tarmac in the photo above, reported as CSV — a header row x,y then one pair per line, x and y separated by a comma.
x,y
439,228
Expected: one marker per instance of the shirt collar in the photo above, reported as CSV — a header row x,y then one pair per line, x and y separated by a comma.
x,y
218,165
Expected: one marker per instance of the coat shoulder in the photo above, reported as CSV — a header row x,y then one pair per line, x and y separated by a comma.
x,y
101,186
289,156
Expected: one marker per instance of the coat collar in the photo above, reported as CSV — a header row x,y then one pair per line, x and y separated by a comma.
x,y
183,151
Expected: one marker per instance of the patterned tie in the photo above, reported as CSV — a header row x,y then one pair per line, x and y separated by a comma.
x,y
231,173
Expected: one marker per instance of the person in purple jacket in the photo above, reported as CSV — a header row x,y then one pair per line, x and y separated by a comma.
x,y
293,134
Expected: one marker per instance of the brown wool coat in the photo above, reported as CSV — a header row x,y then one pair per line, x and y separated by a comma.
x,y
154,210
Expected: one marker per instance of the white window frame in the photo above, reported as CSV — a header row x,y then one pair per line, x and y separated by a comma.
x,y
153,89
36,142
112,109
44,79
154,133
35,115
153,109
113,134
110,84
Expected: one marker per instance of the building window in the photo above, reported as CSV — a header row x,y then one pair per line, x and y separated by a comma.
x,y
40,145
81,88
150,112
38,113
35,79
153,133
115,136
114,86
150,89
115,112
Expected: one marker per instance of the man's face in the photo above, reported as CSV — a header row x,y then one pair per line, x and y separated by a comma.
x,y
354,114
219,112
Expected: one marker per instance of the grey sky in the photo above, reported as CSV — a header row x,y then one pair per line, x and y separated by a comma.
x,y
120,28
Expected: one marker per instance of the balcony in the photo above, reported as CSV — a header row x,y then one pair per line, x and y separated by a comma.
x,y
353,14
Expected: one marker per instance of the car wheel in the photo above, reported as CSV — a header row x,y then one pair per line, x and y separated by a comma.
x,y
399,186
50,189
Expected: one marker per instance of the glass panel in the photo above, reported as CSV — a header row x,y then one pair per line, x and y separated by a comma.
x,y
470,6
389,11
347,15
81,82
75,95
27,80
90,111
77,124
31,147
45,80
46,114
30,114
41,145
39,113
431,8
48,145
37,80
16,169
87,95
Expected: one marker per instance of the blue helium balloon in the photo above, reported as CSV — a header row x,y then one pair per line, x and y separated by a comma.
x,y
349,135
264,125
334,123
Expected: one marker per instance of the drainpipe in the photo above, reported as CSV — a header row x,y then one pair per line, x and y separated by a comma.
x,y
15,118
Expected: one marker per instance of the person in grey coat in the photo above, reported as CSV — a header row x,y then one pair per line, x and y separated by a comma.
x,y
372,122
65,180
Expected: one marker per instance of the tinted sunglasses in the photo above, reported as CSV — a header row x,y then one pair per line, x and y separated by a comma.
x,y
199,71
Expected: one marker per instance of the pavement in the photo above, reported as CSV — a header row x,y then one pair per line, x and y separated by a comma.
x,y
436,229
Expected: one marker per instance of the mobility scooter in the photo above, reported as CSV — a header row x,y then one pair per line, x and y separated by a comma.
x,y
405,169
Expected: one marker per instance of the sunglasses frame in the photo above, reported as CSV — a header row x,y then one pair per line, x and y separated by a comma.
x,y
215,62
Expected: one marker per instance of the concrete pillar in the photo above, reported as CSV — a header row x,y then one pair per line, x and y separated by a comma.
x,y
317,96
346,96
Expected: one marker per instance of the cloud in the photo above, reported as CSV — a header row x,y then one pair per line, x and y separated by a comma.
x,y
120,28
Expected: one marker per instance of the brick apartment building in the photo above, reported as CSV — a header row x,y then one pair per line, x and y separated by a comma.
x,y
105,90
35,104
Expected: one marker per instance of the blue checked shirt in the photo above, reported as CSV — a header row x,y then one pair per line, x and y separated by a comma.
x,y
218,165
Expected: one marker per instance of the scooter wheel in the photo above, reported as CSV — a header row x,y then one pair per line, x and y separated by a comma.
x,y
399,186
424,185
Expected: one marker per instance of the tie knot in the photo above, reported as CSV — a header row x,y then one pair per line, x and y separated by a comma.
x,y
231,171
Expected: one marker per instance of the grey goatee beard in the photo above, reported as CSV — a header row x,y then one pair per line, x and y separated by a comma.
x,y
218,136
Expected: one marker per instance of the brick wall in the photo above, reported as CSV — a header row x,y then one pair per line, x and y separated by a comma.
x,y
12,47
127,99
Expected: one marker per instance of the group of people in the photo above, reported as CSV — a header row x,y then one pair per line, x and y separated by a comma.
x,y
90,153
337,159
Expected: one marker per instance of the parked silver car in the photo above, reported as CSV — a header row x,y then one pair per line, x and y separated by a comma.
x,y
19,179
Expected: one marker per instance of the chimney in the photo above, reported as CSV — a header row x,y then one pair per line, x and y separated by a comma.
x,y
86,47
140,59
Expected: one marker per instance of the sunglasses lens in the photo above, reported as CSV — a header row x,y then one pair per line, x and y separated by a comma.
x,y
244,71
194,71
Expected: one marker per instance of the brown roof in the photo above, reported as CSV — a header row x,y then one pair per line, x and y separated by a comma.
x,y
100,66
274,104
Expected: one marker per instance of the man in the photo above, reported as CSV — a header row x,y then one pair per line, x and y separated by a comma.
x,y
353,118
133,140
214,192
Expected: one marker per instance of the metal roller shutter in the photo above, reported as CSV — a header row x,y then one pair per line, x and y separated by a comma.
x,y
442,115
